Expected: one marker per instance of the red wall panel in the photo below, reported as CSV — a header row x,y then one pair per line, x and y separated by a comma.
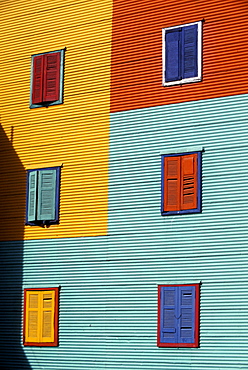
x,y
136,77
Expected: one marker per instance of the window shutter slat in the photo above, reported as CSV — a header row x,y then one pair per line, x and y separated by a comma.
x,y
37,88
51,77
173,55
189,181
47,326
32,195
46,195
187,314
171,184
189,51
168,315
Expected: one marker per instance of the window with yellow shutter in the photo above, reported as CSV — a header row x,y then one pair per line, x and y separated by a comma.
x,y
40,326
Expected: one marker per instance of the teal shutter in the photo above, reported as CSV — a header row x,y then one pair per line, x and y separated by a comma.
x,y
46,195
32,195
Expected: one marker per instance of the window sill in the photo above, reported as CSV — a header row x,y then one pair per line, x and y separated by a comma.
x,y
183,81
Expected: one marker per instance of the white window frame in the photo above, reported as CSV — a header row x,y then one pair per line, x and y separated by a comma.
x,y
199,56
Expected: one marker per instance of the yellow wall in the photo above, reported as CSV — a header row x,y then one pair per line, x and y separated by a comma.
x,y
75,133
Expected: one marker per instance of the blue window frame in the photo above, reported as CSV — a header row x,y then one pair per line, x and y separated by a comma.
x,y
178,315
42,201
182,54
181,183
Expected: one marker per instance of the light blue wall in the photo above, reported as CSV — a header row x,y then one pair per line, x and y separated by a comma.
x,y
108,298
210,247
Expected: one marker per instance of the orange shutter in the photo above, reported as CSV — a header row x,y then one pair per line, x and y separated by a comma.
x,y
189,181
51,77
171,184
37,88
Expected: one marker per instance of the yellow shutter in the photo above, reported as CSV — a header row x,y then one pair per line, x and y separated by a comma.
x,y
39,323
47,316
32,317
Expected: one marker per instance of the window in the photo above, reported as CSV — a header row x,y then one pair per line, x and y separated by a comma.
x,y
182,54
181,183
47,79
178,315
41,317
42,207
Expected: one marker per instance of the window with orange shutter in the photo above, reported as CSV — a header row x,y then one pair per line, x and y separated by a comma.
x,y
47,79
181,183
40,326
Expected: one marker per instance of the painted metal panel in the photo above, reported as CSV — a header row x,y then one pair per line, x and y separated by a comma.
x,y
108,295
75,133
108,300
210,247
136,75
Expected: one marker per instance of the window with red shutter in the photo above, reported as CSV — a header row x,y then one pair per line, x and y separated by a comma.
x,y
181,183
47,79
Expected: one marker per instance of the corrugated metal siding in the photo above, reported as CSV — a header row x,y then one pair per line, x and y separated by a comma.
x,y
108,298
136,74
148,249
75,133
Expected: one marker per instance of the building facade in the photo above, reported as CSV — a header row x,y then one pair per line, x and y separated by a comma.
x,y
123,184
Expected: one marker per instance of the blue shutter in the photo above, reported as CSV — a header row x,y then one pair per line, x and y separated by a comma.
x,y
46,195
173,55
189,51
168,315
32,196
186,322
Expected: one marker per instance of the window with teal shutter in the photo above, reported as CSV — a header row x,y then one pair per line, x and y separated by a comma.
x,y
178,315
32,190
42,206
182,54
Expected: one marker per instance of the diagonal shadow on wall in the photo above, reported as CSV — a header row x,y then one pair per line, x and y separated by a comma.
x,y
12,205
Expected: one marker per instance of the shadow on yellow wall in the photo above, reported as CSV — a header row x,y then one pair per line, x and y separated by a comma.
x,y
12,201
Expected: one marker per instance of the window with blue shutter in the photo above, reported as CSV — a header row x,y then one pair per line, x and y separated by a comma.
x,y
182,54
178,315
42,205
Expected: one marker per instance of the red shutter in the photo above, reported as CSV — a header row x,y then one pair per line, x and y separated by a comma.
x,y
189,181
51,77
37,88
171,184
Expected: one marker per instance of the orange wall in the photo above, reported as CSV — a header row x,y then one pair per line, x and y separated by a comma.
x,y
136,79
